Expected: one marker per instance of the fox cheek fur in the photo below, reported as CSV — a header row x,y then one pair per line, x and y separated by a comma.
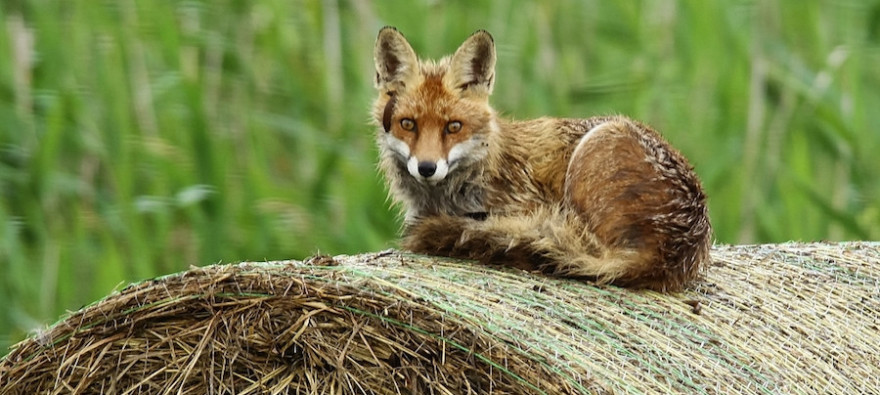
x,y
604,197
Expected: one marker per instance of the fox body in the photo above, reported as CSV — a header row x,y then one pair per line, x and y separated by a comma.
x,y
605,198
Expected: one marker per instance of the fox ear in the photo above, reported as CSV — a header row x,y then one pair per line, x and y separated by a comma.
x,y
473,65
395,59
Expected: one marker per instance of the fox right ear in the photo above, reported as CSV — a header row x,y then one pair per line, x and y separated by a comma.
x,y
395,59
473,64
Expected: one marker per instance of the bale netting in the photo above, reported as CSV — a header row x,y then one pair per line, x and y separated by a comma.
x,y
791,318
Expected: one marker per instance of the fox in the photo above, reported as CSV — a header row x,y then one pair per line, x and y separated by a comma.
x,y
603,199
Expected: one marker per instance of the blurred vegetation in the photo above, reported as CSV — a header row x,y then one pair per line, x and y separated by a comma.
x,y
139,138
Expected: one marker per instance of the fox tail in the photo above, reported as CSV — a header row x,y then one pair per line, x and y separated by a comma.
x,y
552,241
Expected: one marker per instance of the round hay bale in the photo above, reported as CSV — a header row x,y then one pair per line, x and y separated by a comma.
x,y
791,318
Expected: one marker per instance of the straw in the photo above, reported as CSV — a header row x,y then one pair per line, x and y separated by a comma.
x,y
787,318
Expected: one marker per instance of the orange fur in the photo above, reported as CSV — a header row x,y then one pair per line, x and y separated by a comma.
x,y
604,197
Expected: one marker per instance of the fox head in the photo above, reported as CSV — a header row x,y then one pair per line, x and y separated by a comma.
x,y
434,116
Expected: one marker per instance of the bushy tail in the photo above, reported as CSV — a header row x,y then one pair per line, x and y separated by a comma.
x,y
550,240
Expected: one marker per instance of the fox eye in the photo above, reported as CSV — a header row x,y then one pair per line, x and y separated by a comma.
x,y
453,127
407,124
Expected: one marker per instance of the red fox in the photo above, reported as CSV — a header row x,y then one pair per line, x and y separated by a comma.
x,y
604,198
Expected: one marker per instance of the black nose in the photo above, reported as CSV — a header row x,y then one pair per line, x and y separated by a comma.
x,y
427,169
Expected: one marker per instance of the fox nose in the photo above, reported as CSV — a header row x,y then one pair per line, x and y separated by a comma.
x,y
427,169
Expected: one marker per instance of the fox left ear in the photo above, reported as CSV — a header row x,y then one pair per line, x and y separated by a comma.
x,y
396,62
473,64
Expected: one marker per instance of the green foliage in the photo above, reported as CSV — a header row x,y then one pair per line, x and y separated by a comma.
x,y
139,138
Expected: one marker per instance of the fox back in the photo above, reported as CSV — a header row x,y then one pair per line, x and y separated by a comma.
x,y
605,197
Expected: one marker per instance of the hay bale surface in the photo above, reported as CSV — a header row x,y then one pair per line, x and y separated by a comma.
x,y
793,318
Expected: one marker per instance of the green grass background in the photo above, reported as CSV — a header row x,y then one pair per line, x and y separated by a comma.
x,y
138,138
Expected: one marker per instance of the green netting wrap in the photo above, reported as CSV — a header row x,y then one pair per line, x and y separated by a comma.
x,y
791,318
